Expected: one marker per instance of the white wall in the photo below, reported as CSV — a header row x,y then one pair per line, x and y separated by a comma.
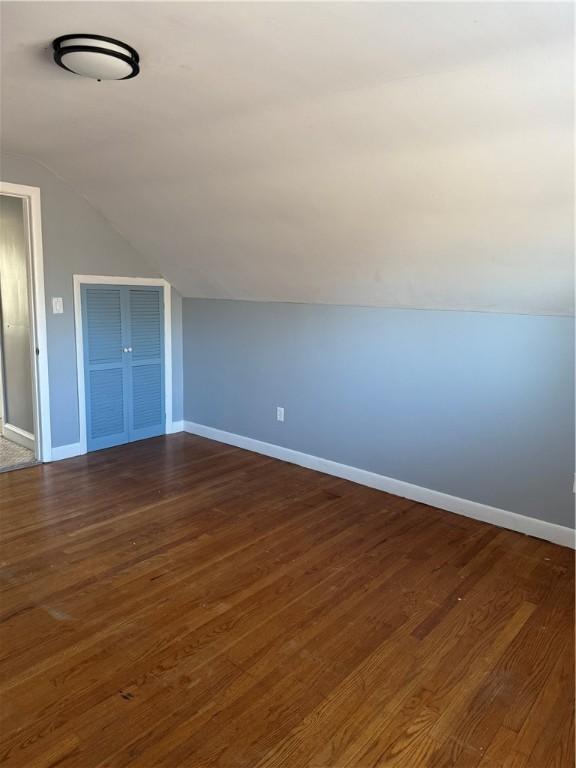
x,y
391,154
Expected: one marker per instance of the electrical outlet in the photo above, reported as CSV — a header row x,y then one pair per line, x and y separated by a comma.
x,y
279,413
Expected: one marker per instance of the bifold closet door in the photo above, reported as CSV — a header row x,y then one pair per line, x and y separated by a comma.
x,y
105,371
123,332
146,362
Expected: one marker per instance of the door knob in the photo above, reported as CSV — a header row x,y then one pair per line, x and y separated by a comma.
x,y
129,349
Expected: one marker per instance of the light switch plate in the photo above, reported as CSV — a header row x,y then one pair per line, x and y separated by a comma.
x,y
57,305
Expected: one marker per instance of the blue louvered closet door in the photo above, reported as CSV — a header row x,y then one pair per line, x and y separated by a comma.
x,y
123,363
146,362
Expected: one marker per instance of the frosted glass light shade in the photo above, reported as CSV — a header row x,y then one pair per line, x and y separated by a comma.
x,y
97,57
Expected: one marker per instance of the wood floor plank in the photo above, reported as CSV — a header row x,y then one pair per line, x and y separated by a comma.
x,y
179,602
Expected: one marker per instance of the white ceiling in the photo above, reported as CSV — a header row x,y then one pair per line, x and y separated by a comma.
x,y
394,154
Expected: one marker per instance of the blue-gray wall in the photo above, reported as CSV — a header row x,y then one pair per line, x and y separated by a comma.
x,y
476,405
76,240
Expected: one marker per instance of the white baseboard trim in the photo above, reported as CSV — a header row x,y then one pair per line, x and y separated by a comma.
x,y
75,449
558,534
66,451
19,436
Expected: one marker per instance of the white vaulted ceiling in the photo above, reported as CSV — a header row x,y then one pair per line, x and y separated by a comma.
x,y
394,154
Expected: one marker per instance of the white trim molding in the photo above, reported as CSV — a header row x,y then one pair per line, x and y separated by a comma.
x,y
80,280
19,436
558,534
66,451
39,337
75,449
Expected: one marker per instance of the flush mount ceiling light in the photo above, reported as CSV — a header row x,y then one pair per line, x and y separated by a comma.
x,y
101,58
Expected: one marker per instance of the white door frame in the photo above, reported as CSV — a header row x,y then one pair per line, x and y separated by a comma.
x,y
80,280
37,303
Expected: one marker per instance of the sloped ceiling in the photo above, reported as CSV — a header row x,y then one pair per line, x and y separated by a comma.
x,y
395,154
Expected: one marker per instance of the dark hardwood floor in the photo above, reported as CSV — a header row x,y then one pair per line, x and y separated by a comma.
x,y
178,602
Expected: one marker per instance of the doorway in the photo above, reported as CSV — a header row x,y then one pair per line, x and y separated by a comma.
x,y
18,443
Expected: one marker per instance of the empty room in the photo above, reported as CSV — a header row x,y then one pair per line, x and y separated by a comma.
x,y
287,383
